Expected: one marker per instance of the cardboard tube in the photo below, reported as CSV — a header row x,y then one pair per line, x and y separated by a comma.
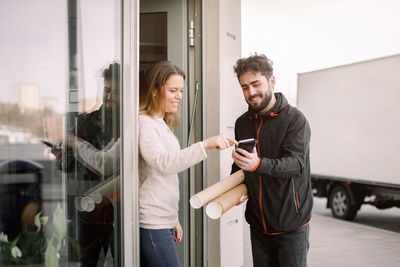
x,y
203,197
94,195
104,188
224,202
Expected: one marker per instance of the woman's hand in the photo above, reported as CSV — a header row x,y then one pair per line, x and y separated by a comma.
x,y
219,142
178,232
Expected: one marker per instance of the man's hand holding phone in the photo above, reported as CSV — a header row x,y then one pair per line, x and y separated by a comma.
x,y
55,149
245,155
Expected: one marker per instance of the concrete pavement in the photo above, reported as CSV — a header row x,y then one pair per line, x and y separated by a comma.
x,y
336,242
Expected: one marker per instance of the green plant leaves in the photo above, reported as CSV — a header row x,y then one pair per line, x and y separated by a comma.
x,y
29,247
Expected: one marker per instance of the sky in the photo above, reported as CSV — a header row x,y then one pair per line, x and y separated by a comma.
x,y
307,35
34,48
299,36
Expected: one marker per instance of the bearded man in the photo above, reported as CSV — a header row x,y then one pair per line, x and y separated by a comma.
x,y
277,171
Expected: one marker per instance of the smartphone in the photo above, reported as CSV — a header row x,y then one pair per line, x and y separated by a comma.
x,y
54,148
247,144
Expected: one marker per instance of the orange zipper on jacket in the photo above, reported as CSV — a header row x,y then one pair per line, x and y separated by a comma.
x,y
297,196
260,182
259,177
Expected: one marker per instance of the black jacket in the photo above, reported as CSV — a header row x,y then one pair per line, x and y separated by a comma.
x,y
98,128
280,196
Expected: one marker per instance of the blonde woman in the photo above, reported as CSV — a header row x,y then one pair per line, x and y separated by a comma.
x,y
161,159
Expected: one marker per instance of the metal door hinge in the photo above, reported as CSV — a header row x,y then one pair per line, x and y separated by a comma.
x,y
191,33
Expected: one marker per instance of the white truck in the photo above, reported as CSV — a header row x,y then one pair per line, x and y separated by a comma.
x,y
354,114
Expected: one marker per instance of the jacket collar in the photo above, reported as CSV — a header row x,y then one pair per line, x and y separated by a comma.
x,y
280,104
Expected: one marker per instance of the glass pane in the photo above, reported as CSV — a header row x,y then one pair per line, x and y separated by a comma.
x,y
59,204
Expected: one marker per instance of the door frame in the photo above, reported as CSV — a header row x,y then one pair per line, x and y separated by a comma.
x,y
129,151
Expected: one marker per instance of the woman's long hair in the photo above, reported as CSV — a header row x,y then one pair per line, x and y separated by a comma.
x,y
151,91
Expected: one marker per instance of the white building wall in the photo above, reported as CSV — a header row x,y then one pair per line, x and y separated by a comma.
x,y
232,106
224,104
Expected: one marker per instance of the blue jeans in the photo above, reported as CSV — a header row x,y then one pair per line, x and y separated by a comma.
x,y
157,248
285,250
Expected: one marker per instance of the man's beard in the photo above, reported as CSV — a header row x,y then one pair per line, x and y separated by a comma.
x,y
111,109
265,101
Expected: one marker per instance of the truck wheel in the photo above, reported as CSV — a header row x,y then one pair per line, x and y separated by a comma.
x,y
341,205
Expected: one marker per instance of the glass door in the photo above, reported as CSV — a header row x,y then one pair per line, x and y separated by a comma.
x,y
61,141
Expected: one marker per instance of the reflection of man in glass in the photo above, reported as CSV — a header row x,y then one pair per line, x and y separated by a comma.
x,y
100,128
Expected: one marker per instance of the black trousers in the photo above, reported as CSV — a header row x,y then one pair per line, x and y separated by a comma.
x,y
96,232
285,250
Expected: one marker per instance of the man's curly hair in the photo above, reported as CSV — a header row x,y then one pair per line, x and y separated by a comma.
x,y
256,63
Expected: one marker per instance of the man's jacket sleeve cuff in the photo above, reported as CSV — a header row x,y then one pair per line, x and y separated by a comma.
x,y
255,167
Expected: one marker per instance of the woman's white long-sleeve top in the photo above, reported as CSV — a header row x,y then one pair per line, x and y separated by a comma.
x,y
104,161
160,161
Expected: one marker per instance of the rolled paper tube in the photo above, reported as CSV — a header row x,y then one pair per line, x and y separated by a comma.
x,y
104,188
224,202
93,196
86,204
203,197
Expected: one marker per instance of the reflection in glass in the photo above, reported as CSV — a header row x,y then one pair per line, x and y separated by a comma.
x,y
60,77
